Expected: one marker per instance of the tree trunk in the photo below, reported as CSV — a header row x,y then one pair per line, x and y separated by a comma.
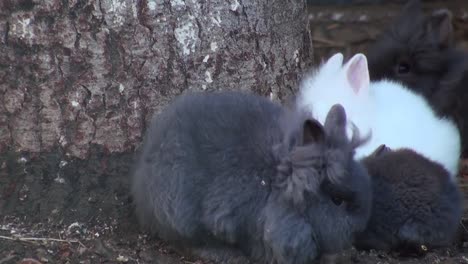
x,y
80,80
82,73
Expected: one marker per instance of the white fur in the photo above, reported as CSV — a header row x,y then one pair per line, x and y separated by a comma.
x,y
394,115
328,86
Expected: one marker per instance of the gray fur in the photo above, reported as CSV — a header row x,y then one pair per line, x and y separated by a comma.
x,y
418,50
414,202
228,174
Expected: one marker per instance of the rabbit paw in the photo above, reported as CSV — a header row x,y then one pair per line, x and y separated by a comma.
x,y
414,236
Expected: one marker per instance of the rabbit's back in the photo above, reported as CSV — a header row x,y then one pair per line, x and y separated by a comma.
x,y
405,120
415,202
204,150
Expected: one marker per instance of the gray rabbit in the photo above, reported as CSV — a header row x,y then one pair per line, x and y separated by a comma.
x,y
232,177
418,50
414,203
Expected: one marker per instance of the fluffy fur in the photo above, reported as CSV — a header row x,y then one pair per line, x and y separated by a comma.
x,y
229,175
386,110
418,50
415,203
328,85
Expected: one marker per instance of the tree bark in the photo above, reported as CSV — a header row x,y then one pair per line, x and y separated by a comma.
x,y
80,80
81,73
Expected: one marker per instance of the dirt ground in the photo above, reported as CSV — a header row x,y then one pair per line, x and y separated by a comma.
x,y
63,231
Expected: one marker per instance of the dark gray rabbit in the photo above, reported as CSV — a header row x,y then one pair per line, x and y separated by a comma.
x,y
229,175
414,203
419,50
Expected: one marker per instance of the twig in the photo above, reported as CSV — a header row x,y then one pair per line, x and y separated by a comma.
x,y
461,223
328,42
44,239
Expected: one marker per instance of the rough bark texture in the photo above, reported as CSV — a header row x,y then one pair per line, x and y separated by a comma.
x,y
80,79
78,73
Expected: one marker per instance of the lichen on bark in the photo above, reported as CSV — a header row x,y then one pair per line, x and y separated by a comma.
x,y
79,73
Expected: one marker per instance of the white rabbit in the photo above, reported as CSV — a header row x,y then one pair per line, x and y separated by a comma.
x,y
388,110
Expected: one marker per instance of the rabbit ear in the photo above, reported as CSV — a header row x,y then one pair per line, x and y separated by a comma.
x,y
312,132
410,9
410,14
439,25
382,149
334,63
357,73
335,122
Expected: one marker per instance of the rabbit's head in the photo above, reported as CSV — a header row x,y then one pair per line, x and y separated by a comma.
x,y
319,179
335,83
418,50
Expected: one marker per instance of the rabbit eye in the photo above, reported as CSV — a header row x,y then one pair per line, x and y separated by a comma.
x,y
337,200
403,67
335,193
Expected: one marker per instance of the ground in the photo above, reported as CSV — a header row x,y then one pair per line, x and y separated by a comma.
x,y
106,232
